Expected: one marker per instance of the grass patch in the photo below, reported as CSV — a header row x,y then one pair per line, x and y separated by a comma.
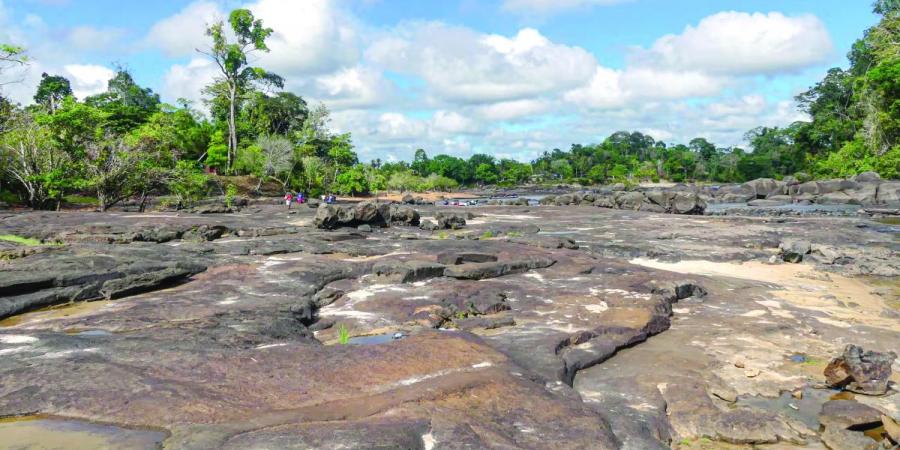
x,y
811,361
9,197
487,235
81,200
343,335
443,235
20,240
514,234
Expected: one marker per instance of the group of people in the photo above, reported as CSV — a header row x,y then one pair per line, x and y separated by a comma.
x,y
290,198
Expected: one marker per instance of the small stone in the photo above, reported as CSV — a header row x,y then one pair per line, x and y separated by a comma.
x,y
892,428
752,373
798,394
739,364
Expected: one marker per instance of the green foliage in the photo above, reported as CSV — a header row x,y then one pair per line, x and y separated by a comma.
x,y
188,183
343,335
51,91
487,234
352,181
231,192
217,152
28,242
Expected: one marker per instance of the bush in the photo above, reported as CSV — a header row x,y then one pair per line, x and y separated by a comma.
x,y
188,183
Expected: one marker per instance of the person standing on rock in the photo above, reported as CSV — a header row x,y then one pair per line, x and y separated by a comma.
x,y
288,198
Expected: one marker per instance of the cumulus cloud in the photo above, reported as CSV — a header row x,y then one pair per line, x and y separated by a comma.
x,y
90,38
185,31
188,80
87,79
737,43
553,6
461,65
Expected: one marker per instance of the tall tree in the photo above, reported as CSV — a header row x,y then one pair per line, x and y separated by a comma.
x,y
51,91
231,58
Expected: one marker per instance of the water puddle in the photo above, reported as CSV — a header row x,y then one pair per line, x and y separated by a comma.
x,y
805,409
56,312
47,433
376,339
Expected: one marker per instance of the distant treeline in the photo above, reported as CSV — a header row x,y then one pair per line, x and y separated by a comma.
x,y
125,143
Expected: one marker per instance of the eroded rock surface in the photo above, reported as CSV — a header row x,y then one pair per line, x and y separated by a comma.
x,y
529,327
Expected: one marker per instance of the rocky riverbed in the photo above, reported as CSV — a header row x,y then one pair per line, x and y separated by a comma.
x,y
496,327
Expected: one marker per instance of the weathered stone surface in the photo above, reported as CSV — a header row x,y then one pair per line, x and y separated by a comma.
x,y
861,371
837,438
481,271
849,413
454,258
450,220
408,272
793,251
404,215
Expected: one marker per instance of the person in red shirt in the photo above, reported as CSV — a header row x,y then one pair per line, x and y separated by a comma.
x,y
288,199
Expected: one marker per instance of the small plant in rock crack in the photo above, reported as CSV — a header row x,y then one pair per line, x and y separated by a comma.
x,y
343,335
487,235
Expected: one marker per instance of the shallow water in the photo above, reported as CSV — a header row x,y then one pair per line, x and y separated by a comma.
x,y
374,340
45,433
805,410
813,208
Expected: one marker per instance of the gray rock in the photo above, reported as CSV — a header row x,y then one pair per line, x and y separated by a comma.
x,y
867,177
428,225
857,370
456,258
840,439
793,251
450,220
404,215
849,413
481,271
408,272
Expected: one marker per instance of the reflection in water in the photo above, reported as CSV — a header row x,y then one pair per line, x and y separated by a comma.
x,y
45,433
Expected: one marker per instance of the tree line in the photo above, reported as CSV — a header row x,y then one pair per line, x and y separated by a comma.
x,y
125,143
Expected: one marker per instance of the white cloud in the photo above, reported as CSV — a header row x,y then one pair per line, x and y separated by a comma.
x,y
87,79
184,32
90,38
737,43
553,6
513,109
461,65
311,36
187,81
354,87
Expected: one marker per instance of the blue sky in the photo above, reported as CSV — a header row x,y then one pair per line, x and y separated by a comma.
x,y
507,77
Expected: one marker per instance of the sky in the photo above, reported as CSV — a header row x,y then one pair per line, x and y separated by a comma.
x,y
510,78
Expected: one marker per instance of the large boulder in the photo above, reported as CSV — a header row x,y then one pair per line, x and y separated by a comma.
x,y
764,187
849,413
867,177
888,193
686,203
450,220
330,217
404,215
629,200
860,371
793,250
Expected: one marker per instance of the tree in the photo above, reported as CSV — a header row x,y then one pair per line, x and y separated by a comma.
x,y
231,58
51,91
113,170
313,169
420,163
486,174
40,168
352,181
187,182
281,114
11,56
277,159
126,104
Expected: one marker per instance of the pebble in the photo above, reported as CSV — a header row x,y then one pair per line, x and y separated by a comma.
x,y
752,373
